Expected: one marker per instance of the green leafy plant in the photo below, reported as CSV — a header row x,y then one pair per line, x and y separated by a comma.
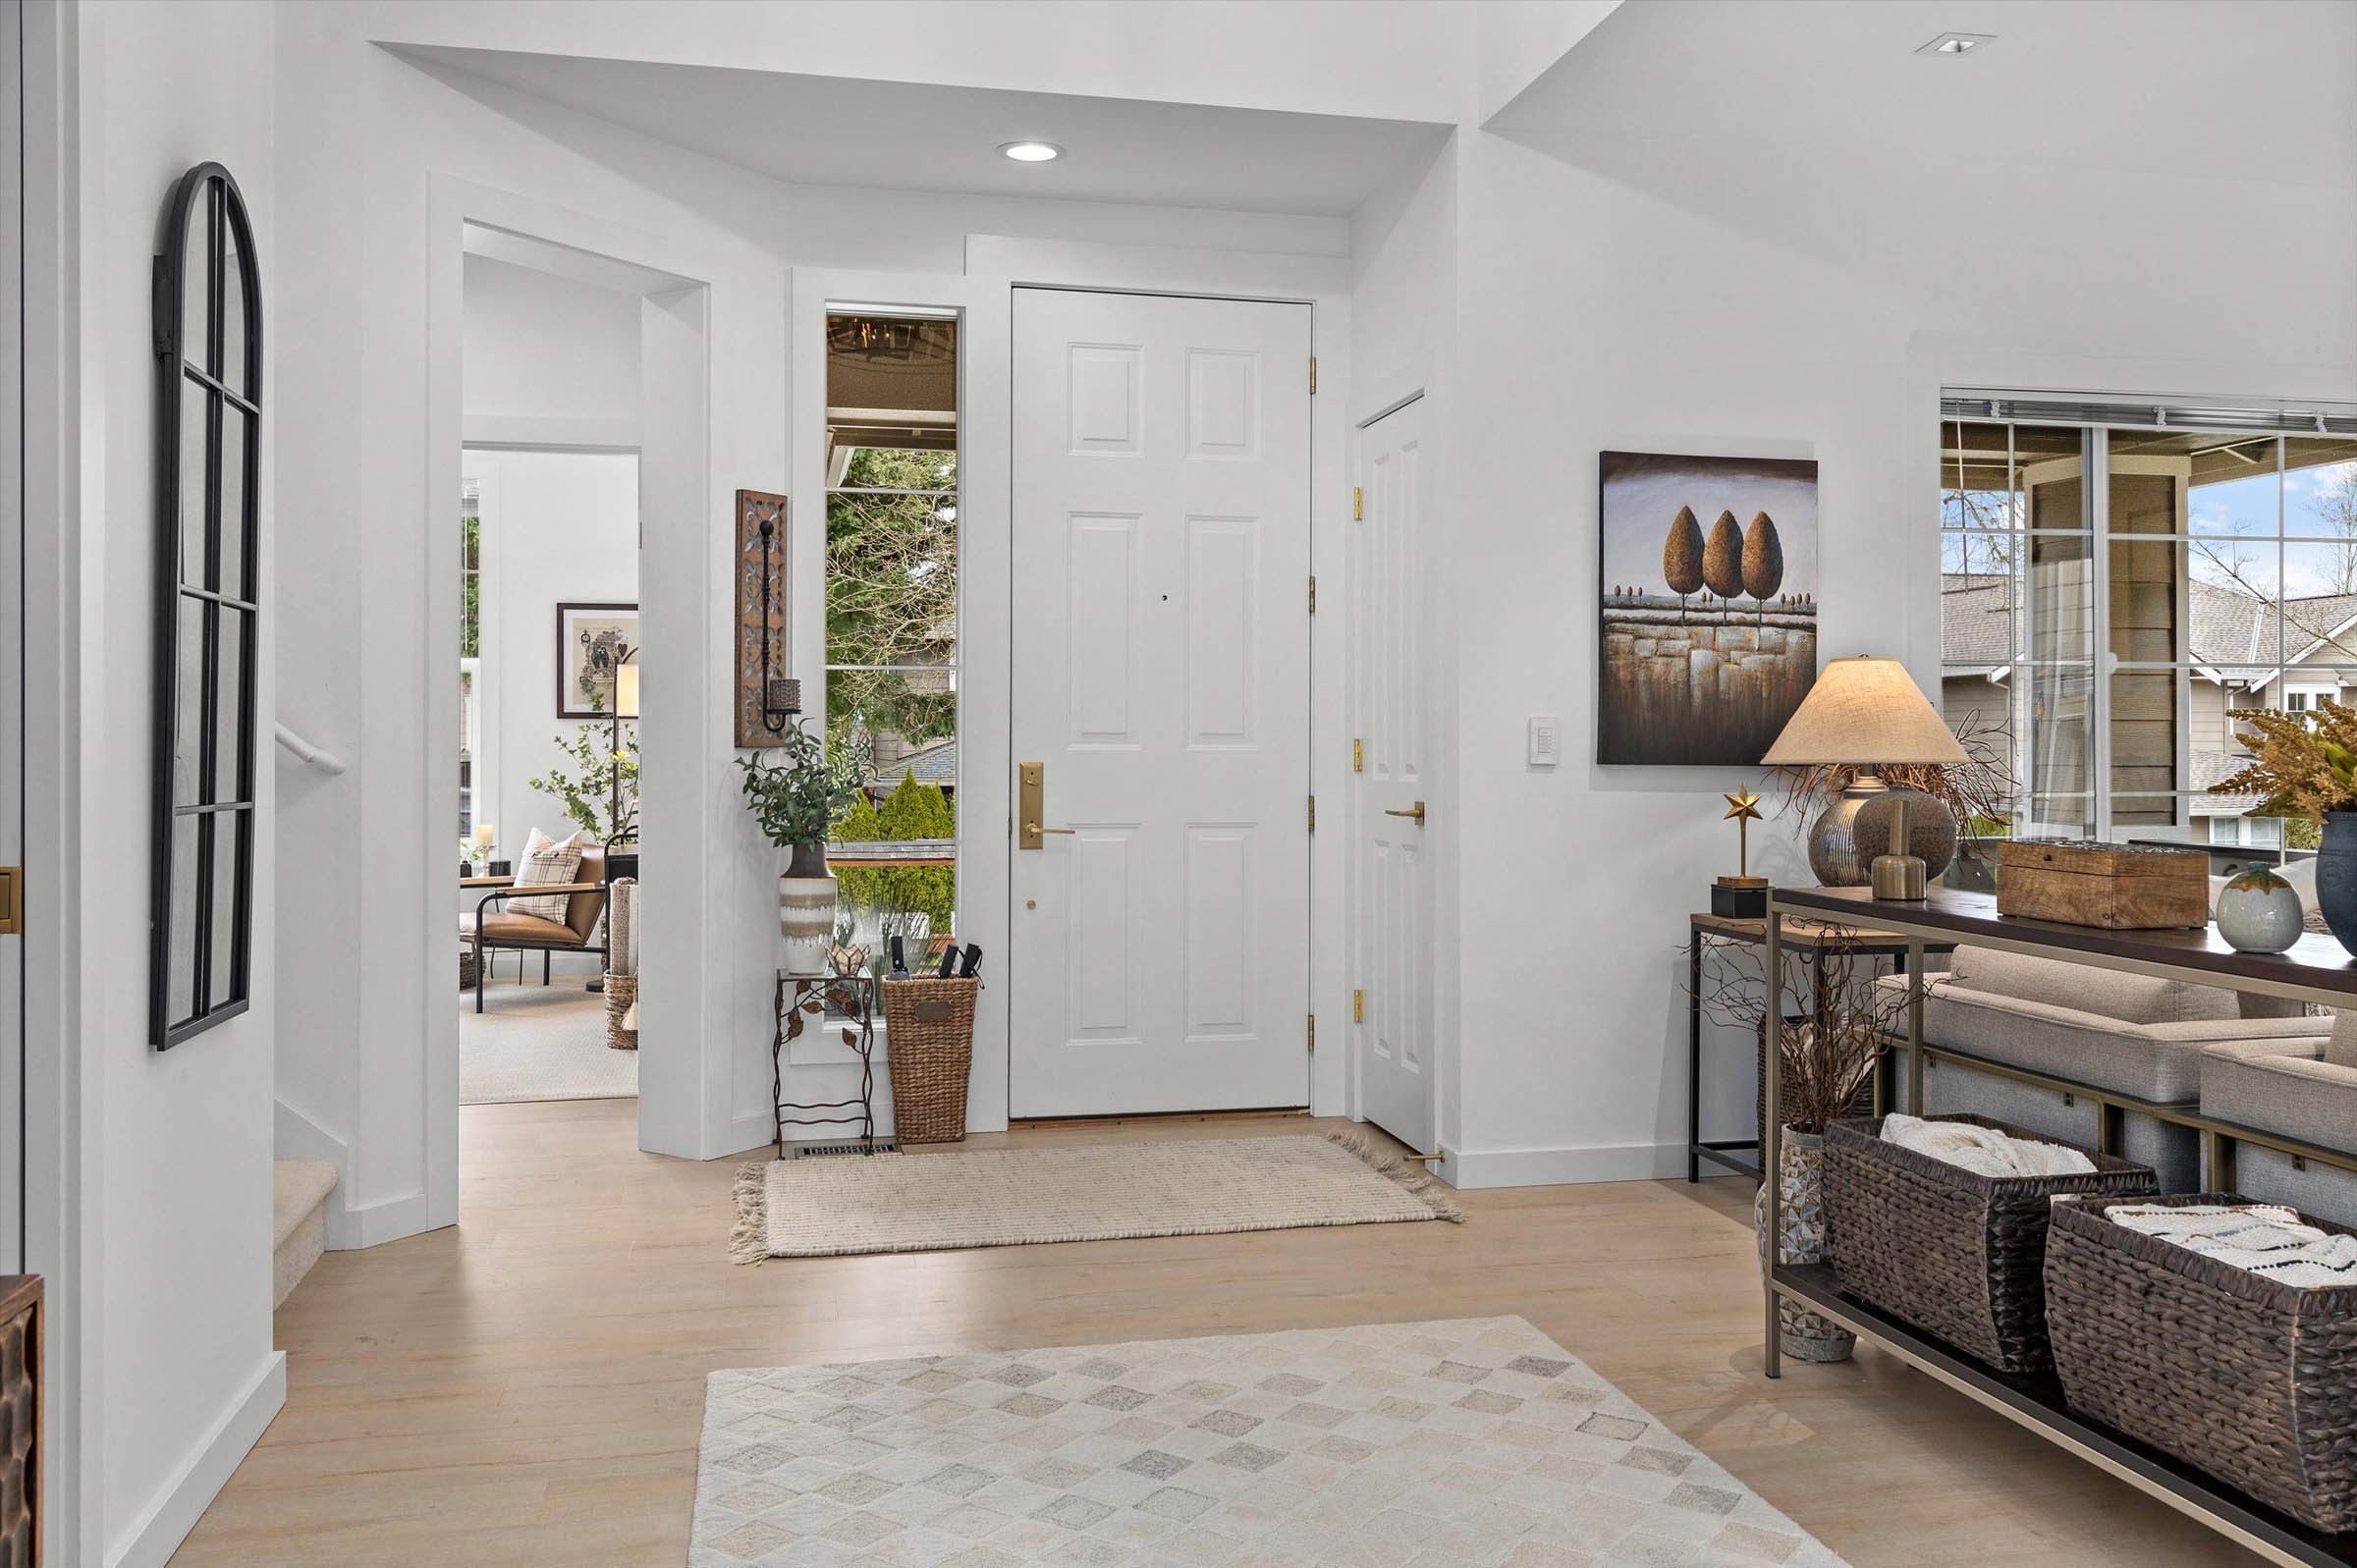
x,y
912,811
2304,765
585,786
797,799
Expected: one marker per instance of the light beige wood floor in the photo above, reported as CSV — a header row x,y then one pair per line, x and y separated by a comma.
x,y
529,1386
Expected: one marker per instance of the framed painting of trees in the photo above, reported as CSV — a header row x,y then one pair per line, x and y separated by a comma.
x,y
1708,632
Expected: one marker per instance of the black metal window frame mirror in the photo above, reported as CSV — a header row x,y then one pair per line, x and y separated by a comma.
x,y
208,442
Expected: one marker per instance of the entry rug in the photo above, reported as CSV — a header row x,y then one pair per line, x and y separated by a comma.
x,y
1088,1192
1477,1441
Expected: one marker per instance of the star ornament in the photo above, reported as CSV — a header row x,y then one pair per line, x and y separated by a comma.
x,y
1743,806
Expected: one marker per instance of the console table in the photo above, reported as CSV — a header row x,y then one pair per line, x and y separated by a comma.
x,y
2315,969
1814,938
855,998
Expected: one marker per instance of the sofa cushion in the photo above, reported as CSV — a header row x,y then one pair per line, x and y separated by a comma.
x,y
2341,1048
2158,1062
512,927
2297,1097
2082,988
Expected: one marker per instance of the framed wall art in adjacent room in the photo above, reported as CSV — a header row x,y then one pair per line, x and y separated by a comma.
x,y
592,641
1708,606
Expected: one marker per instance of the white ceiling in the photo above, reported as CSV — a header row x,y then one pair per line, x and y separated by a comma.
x,y
2258,89
810,129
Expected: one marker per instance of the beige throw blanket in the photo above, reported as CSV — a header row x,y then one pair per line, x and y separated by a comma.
x,y
1983,1151
2261,1238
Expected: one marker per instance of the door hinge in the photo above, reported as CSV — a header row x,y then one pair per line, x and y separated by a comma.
x,y
1313,1032
1358,504
1313,375
1313,593
1359,756
1358,1007
1313,813
12,900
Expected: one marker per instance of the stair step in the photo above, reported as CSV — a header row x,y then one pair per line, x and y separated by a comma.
x,y
298,1192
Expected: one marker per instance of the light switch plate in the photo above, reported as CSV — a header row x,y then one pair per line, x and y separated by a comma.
x,y
1546,741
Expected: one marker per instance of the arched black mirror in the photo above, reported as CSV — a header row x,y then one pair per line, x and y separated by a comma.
x,y
208,447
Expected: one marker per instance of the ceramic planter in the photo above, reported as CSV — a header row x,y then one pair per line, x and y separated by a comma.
x,y
2336,877
2258,911
1801,1238
807,911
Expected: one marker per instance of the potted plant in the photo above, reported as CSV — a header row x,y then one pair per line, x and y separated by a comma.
x,y
1824,1064
2304,765
599,788
795,801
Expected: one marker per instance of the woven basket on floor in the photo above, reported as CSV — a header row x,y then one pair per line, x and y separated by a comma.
x,y
929,1048
2251,1380
620,992
467,970
1958,1255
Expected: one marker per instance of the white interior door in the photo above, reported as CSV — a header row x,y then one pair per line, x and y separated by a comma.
x,y
1160,930
1391,898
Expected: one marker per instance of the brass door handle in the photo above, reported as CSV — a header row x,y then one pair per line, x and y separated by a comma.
x,y
1417,814
1035,830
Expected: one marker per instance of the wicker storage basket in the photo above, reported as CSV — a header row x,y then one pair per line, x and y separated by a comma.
x,y
620,992
1958,1255
2253,1381
467,970
929,1044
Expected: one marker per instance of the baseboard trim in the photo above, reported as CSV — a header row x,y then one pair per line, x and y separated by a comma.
x,y
1551,1167
152,1538
373,1224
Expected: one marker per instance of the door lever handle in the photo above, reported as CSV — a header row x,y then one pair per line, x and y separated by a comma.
x,y
1417,814
1035,830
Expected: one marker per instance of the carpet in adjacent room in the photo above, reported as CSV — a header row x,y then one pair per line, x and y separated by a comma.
x,y
535,1041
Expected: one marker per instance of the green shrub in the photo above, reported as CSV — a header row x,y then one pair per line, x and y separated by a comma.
x,y
913,811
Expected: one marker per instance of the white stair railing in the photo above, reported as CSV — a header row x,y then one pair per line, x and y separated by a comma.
x,y
302,751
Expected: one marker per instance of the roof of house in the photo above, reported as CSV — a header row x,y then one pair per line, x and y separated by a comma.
x,y
937,764
2228,628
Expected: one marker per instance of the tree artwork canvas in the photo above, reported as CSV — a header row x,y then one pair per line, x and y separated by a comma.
x,y
1708,635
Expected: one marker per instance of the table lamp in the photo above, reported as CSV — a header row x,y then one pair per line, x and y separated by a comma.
x,y
1866,712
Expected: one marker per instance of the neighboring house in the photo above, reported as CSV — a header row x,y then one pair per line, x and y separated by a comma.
x,y
895,759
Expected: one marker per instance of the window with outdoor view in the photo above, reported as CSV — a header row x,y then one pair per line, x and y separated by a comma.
x,y
891,625
2117,586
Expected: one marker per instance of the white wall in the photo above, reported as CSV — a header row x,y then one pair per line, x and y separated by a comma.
x,y
374,144
173,1303
1636,288
559,527
550,361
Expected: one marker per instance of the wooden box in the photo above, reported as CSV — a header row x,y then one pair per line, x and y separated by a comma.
x,y
2079,881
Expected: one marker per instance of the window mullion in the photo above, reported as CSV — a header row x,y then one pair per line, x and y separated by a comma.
x,y
2095,445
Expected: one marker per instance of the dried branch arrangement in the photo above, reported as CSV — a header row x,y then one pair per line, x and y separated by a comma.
x,y
2305,764
1825,1058
1978,792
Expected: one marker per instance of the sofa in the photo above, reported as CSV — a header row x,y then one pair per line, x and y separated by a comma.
x,y
2306,1099
2134,1035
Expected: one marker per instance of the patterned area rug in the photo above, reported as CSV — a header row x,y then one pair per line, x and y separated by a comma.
x,y
1476,1441
1089,1192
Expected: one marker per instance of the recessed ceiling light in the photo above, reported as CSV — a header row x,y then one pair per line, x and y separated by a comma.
x,y
1959,43
1032,151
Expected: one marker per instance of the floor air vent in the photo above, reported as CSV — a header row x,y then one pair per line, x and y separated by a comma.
x,y
812,1151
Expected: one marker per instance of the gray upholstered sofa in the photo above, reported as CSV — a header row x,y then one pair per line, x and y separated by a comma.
x,y
2136,1037
2299,1098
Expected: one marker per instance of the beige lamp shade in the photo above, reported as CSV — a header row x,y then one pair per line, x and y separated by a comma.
x,y
626,690
1864,711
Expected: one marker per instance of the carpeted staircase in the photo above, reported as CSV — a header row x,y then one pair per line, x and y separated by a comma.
x,y
299,1193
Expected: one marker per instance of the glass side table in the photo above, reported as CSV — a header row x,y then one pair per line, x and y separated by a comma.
x,y
799,997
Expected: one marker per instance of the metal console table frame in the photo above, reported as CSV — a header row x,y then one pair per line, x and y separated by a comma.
x,y
1813,937
2315,969
856,997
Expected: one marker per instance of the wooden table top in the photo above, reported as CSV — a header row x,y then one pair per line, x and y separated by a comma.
x,y
2314,961
487,882
1797,931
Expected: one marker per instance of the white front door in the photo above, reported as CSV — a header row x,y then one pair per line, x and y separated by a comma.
x,y
1391,873
1160,930
12,637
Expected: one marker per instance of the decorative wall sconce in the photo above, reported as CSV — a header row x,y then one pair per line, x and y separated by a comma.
x,y
767,698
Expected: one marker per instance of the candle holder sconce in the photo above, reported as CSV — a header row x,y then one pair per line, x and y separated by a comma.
x,y
767,698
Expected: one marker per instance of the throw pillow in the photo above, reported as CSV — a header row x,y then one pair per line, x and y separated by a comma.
x,y
2341,1048
2129,998
546,863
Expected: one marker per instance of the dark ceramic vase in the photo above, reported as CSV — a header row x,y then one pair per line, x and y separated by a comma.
x,y
2336,877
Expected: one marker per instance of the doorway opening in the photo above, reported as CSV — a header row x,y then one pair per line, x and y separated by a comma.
x,y
547,772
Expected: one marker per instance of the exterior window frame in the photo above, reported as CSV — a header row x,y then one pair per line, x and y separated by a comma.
x,y
206,196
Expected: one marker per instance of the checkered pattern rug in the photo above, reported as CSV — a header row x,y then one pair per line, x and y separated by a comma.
x,y
1403,1445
